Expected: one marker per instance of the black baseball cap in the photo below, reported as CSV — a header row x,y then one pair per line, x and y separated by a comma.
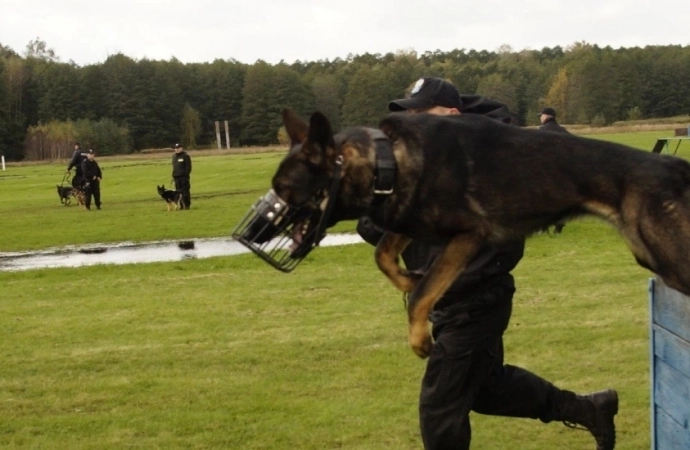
x,y
549,111
177,146
91,152
427,93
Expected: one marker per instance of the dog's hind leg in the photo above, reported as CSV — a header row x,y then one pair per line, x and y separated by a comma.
x,y
664,235
388,260
445,269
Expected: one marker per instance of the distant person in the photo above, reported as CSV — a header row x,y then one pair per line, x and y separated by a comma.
x,y
182,168
92,180
547,117
78,157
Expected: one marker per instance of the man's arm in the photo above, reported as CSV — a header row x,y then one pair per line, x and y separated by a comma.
x,y
188,164
369,232
74,161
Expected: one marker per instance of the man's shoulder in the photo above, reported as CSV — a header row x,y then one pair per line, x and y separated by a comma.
x,y
476,104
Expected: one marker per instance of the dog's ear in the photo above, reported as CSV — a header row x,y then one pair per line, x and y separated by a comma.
x,y
296,128
319,144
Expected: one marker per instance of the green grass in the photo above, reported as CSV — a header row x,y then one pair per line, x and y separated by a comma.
x,y
228,353
223,189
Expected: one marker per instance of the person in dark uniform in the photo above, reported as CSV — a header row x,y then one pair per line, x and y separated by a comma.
x,y
547,117
466,371
78,157
92,180
182,168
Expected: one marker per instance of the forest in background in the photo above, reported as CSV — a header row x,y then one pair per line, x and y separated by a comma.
x,y
123,105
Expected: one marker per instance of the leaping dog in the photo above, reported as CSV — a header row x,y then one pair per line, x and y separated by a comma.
x,y
461,181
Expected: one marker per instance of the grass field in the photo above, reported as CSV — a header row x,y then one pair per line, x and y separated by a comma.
x,y
228,353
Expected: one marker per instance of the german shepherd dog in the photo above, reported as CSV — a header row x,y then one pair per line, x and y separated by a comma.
x,y
80,195
66,193
465,180
174,199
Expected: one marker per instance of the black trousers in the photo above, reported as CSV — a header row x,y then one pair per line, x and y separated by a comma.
x,y
183,185
78,181
465,372
93,188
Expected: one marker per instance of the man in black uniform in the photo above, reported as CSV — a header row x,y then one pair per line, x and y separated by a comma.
x,y
182,168
465,371
547,117
78,157
92,180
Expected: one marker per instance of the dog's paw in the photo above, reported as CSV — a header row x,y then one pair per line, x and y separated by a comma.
x,y
420,341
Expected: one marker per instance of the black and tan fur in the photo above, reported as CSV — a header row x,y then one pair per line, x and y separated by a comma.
x,y
80,196
174,199
67,193
465,180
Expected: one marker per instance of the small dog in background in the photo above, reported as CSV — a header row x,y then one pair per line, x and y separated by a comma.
x,y
174,199
65,193
80,196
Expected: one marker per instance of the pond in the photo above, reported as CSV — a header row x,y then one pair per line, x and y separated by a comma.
x,y
133,253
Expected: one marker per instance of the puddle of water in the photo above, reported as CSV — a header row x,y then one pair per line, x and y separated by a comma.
x,y
133,253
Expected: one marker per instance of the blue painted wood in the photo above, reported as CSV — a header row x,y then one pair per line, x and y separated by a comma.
x,y
670,367
671,310
672,393
652,361
671,349
670,436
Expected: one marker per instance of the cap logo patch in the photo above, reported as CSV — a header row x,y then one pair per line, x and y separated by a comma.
x,y
417,86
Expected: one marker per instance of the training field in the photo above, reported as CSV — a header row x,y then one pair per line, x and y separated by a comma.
x,y
229,353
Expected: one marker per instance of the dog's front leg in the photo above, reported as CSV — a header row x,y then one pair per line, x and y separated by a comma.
x,y
388,260
445,269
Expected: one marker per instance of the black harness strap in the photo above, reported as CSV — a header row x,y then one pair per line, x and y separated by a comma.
x,y
386,167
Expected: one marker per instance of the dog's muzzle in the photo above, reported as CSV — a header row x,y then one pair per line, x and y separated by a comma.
x,y
278,233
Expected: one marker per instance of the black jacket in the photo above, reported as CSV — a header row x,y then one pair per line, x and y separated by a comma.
x,y
476,104
91,169
182,164
491,265
552,125
78,157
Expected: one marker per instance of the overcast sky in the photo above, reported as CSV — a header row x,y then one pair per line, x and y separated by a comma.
x,y
87,32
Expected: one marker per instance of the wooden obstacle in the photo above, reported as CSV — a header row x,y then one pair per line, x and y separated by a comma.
x,y
670,367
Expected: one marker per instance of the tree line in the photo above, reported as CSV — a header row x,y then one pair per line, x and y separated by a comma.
x,y
123,105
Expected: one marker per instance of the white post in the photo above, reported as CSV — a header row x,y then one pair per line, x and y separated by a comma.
x,y
227,135
3,162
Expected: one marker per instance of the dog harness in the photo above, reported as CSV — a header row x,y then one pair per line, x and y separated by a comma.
x,y
386,167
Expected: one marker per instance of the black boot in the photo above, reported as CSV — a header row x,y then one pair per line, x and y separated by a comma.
x,y
595,413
